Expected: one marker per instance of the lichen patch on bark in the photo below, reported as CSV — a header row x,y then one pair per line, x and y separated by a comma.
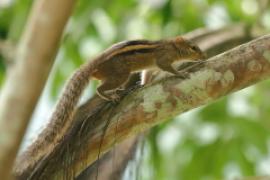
x,y
227,78
157,95
199,82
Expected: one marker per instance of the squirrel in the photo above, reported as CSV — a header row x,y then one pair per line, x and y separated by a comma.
x,y
113,67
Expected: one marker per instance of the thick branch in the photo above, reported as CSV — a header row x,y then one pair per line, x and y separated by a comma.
x,y
211,41
221,75
142,109
157,102
26,79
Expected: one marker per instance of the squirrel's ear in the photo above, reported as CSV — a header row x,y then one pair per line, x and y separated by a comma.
x,y
179,39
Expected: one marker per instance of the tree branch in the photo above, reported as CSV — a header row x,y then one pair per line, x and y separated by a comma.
x,y
171,96
26,79
217,41
222,75
139,111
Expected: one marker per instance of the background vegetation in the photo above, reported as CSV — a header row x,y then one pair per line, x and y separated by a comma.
x,y
229,138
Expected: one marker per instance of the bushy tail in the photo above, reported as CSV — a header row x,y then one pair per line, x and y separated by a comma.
x,y
60,121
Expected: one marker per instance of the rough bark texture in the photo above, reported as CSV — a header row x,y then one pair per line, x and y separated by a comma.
x,y
218,41
26,78
138,111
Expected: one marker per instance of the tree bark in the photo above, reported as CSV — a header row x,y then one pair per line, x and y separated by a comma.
x,y
224,41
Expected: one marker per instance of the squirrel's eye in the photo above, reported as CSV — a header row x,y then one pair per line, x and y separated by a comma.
x,y
194,48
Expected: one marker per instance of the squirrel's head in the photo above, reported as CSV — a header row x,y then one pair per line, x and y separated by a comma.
x,y
188,50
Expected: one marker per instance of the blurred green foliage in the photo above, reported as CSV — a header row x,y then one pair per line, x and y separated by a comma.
x,y
228,138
